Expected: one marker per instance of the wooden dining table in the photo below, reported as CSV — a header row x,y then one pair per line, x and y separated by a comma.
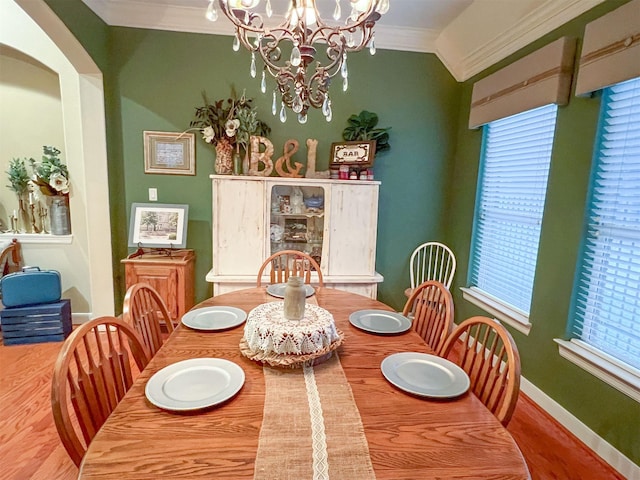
x,y
408,437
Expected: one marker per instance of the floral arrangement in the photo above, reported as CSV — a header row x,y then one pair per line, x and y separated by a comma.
x,y
229,124
50,175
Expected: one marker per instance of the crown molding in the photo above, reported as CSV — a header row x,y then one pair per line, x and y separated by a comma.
x,y
190,19
461,64
549,16
406,39
118,13
100,8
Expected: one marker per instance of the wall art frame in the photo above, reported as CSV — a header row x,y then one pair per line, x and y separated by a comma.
x,y
358,153
169,153
158,225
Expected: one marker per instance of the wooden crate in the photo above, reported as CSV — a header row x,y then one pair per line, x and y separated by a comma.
x,y
50,322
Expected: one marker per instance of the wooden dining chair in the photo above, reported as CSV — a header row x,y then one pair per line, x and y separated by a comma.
x,y
93,371
431,261
10,257
484,349
286,263
10,260
144,309
430,308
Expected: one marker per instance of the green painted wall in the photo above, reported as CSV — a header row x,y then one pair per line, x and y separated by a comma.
x,y
154,79
159,77
611,414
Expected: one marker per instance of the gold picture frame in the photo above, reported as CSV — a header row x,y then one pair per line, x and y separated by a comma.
x,y
358,153
169,153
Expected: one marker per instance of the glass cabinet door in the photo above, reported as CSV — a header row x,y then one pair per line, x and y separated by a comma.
x,y
297,219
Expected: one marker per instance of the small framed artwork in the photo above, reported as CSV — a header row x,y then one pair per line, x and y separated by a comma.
x,y
356,154
169,153
157,225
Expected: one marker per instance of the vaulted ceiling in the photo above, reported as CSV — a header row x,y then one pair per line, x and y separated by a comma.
x,y
466,35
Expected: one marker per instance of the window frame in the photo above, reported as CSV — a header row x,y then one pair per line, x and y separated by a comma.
x,y
501,309
615,372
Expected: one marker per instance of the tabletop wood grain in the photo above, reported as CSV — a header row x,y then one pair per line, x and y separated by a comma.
x,y
409,437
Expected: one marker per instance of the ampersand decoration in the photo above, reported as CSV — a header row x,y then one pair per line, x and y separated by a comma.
x,y
286,169
258,157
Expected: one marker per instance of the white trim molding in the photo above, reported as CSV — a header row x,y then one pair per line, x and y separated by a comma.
x,y
500,310
183,18
38,238
597,444
541,20
620,376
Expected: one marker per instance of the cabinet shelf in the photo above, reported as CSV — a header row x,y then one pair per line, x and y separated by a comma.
x,y
298,215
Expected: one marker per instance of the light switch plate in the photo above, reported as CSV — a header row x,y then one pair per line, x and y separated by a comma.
x,y
153,194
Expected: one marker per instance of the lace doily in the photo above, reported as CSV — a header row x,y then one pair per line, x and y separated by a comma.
x,y
269,336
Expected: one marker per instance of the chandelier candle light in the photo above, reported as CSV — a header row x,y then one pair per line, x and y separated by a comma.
x,y
301,85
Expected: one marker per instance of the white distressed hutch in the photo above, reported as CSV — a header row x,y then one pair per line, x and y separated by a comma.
x,y
243,209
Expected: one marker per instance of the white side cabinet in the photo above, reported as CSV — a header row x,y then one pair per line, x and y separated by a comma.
x,y
254,217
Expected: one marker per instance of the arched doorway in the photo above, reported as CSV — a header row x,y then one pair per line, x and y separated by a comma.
x,y
84,261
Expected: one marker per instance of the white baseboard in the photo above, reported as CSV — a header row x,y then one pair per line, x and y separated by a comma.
x,y
602,448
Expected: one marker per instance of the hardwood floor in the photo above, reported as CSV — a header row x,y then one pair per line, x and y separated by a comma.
x,y
30,447
29,443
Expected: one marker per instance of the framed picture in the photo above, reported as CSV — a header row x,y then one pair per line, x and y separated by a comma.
x,y
169,153
358,153
158,225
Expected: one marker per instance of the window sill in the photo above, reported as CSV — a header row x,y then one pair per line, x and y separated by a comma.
x,y
517,319
622,377
27,238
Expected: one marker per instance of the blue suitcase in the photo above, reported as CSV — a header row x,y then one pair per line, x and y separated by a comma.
x,y
31,286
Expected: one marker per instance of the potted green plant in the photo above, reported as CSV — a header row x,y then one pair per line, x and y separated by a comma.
x,y
19,181
18,176
364,126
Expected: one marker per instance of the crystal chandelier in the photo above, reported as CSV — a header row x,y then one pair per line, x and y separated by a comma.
x,y
290,51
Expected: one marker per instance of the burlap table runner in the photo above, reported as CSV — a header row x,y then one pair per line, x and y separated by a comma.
x,y
311,427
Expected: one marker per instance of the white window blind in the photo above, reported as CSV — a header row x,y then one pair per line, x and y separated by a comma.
x,y
606,305
512,188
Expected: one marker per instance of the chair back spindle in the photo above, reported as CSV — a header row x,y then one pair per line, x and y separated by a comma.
x,y
431,310
286,263
93,371
487,352
432,261
146,311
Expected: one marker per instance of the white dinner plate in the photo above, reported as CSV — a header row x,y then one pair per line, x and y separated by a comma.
x,y
194,384
277,290
380,321
425,375
214,318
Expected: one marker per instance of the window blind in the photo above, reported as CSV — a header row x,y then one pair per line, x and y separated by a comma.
x,y
511,194
606,310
